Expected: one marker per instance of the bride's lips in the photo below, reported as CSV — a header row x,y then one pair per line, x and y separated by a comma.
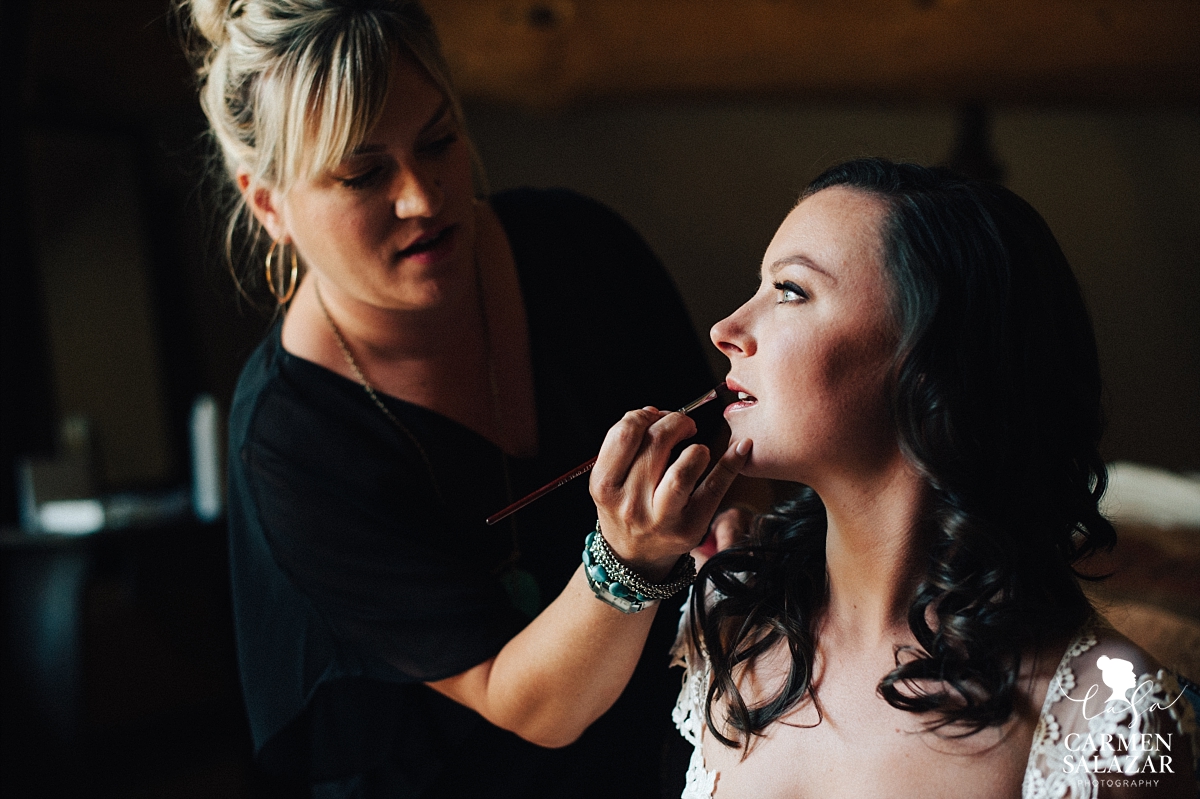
x,y
744,398
430,247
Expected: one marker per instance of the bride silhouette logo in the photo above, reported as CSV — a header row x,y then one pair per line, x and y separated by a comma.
x,y
1117,674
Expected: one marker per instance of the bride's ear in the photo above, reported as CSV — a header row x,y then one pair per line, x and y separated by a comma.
x,y
264,203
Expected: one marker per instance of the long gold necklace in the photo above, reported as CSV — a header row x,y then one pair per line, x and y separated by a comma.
x,y
366,384
520,585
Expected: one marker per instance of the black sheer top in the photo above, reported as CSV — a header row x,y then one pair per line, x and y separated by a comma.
x,y
361,565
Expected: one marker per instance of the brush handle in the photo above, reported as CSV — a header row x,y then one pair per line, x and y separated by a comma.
x,y
584,467
558,482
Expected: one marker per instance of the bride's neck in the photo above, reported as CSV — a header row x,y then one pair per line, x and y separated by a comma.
x,y
875,552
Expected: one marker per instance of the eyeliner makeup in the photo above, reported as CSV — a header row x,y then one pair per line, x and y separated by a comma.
x,y
585,467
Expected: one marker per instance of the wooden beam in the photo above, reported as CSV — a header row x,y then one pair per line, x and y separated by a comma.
x,y
553,52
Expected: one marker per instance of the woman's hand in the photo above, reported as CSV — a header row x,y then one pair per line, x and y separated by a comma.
x,y
651,511
570,664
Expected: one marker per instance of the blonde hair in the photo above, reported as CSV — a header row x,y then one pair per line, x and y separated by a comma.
x,y
290,87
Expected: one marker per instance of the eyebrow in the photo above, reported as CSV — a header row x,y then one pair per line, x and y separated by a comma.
x,y
798,260
434,120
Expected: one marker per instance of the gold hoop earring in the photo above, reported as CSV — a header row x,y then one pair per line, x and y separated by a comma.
x,y
281,290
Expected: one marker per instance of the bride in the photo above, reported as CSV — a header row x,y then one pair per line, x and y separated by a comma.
x,y
919,359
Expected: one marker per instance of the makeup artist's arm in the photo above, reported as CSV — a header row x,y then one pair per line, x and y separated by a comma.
x,y
570,664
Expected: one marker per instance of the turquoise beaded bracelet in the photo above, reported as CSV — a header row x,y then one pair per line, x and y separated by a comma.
x,y
615,584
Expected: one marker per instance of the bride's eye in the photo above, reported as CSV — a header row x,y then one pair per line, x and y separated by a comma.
x,y
790,292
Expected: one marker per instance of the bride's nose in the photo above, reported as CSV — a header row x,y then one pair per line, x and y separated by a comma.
x,y
732,336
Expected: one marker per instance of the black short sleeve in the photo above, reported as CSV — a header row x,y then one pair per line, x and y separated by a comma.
x,y
352,517
360,563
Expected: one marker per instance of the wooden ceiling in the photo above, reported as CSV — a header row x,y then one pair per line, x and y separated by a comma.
x,y
110,57
547,53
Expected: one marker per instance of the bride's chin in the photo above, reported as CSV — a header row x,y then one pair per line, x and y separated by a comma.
x,y
757,470
765,469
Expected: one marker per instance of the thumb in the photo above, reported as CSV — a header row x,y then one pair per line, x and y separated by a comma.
x,y
707,497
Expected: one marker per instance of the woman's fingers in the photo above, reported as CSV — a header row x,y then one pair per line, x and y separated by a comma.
x,y
675,490
687,508
635,453
707,497
660,440
651,509
620,449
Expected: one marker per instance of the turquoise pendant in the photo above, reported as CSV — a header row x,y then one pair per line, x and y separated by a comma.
x,y
522,591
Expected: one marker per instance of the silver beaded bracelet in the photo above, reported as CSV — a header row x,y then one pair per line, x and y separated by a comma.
x,y
616,584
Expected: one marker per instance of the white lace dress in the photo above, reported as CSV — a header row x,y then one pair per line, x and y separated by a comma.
x,y
1090,738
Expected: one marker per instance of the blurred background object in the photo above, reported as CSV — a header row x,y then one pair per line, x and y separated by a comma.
x,y
697,120
1153,593
1145,495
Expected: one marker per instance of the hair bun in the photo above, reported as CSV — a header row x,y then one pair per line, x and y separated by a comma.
x,y
209,18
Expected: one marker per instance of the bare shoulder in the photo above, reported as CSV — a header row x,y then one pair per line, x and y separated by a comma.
x,y
1116,724
1111,643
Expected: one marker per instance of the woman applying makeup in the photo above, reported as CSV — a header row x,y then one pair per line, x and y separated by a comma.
x,y
441,353
919,360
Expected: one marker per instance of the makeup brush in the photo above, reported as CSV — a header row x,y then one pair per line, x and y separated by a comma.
x,y
586,467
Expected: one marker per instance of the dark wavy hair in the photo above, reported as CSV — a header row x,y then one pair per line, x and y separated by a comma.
x,y
996,399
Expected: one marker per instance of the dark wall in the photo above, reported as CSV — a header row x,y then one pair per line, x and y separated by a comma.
x,y
118,304
122,309
26,398
708,183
